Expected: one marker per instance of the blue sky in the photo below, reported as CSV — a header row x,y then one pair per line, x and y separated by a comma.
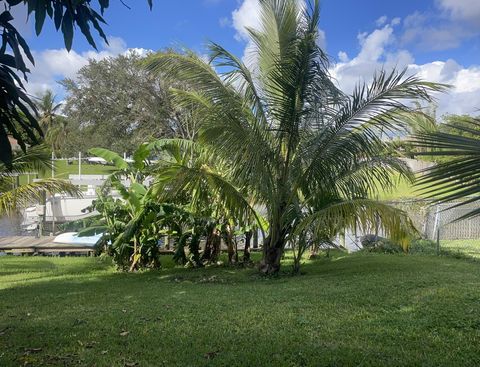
x,y
438,39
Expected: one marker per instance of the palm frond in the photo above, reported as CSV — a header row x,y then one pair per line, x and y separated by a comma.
x,y
459,178
355,134
25,195
203,185
36,158
367,215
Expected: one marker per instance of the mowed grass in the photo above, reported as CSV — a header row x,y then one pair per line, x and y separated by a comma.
x,y
361,310
63,170
469,248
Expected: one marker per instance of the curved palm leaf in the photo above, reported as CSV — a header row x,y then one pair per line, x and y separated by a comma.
x,y
367,215
459,178
36,158
25,195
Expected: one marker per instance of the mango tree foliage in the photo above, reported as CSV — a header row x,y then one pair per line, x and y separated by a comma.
x,y
115,104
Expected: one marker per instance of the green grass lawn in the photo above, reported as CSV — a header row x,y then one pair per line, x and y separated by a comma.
x,y
403,190
469,248
62,170
361,309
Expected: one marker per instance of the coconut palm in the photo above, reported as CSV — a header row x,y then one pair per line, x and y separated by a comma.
x,y
309,154
14,196
52,124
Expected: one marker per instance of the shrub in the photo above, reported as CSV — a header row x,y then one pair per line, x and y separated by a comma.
x,y
373,243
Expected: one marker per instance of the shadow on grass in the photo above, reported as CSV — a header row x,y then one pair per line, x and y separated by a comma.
x,y
343,311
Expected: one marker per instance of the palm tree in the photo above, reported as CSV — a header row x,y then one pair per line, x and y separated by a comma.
x,y
308,153
14,196
53,125
458,178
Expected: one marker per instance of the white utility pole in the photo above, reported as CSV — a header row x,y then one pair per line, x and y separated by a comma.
x,y
79,165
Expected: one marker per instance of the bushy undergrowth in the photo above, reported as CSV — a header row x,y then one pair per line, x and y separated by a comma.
x,y
377,244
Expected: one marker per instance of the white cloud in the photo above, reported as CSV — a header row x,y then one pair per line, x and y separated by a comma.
x,y
464,97
374,55
52,65
223,22
463,10
373,44
343,56
322,39
396,21
446,27
379,50
246,16
381,21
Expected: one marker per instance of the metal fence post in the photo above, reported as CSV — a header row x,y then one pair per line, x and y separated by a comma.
x,y
438,241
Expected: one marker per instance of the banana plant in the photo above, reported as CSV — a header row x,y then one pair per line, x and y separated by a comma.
x,y
136,244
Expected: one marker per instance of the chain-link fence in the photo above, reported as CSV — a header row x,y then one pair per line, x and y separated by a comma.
x,y
430,219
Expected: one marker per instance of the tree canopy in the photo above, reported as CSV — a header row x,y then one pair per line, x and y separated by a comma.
x,y
115,104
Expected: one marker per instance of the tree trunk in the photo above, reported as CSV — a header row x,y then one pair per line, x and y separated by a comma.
x,y
272,255
212,246
228,238
179,256
246,250
167,242
208,251
216,245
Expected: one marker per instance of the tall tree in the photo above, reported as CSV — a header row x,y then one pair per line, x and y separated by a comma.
x,y
17,110
54,126
288,136
115,104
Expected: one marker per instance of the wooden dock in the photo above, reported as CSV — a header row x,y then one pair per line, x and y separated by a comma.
x,y
43,245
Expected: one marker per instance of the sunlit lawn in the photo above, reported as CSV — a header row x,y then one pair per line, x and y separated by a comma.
x,y
363,309
462,247
63,170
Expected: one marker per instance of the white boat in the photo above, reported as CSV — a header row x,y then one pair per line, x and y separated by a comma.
x,y
72,238
96,160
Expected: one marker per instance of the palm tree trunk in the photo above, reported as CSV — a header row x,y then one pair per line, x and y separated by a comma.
x,y
272,255
274,244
